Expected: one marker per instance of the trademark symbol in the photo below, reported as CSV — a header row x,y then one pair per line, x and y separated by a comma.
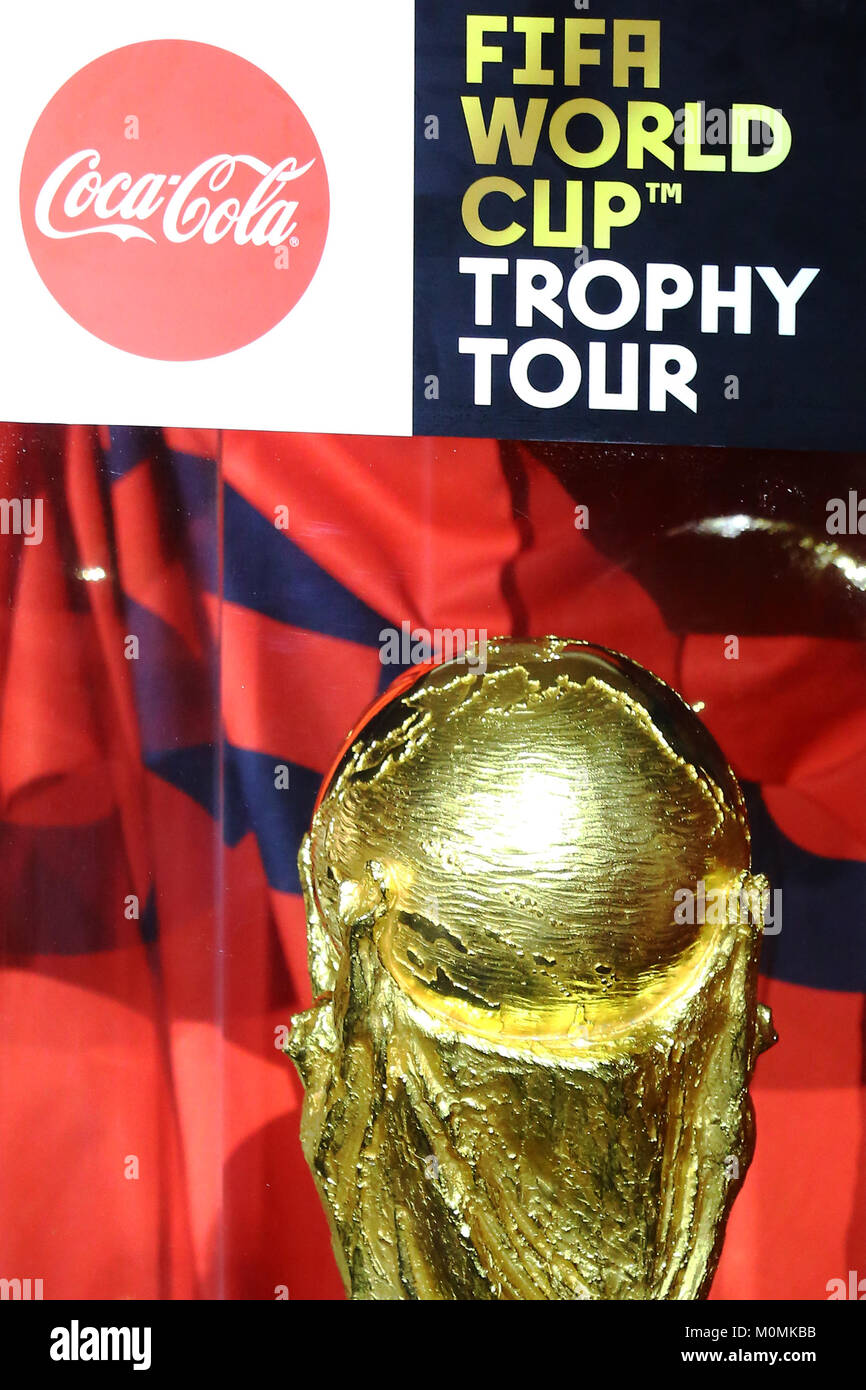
x,y
294,241
665,192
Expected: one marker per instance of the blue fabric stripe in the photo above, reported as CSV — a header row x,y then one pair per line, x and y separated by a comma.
x,y
266,571
252,802
822,944
128,447
187,487
175,691
279,818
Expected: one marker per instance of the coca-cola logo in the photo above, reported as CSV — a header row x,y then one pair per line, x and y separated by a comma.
x,y
174,200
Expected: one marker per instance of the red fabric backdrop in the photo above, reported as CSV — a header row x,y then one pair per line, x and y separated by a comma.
x,y
150,1121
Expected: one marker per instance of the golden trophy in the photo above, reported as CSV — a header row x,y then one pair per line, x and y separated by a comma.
x,y
527,1062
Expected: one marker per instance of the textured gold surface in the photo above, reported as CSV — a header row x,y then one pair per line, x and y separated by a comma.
x,y
526,1076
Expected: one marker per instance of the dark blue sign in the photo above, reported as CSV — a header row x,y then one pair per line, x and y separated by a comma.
x,y
642,222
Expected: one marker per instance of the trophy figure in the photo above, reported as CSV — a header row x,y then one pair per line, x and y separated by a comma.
x,y
533,943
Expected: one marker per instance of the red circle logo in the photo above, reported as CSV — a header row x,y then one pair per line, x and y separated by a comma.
x,y
174,200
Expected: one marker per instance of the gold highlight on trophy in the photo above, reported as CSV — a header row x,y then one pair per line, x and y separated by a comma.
x,y
526,1072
